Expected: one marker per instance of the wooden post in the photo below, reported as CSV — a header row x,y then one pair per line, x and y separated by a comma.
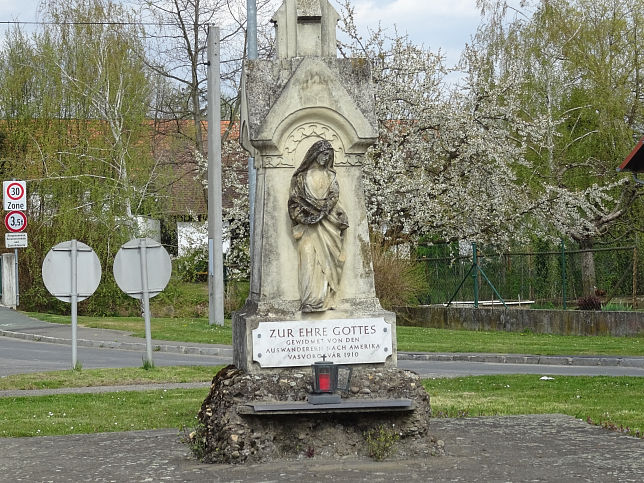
x,y
635,274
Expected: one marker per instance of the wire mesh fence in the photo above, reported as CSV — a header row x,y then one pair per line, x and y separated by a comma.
x,y
550,278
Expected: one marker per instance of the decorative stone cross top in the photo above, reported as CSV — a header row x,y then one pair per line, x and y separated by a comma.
x,y
305,28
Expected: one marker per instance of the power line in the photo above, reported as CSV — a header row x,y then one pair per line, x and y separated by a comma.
x,y
114,24
15,22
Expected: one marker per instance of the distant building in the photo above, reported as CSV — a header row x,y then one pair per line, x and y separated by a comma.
x,y
184,201
634,162
186,197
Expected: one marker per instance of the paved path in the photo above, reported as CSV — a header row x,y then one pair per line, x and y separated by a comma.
x,y
544,448
103,389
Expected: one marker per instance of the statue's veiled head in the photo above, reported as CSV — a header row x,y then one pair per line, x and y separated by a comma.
x,y
319,150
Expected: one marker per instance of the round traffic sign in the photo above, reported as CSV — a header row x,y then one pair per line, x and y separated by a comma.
x,y
15,191
15,221
139,257
57,271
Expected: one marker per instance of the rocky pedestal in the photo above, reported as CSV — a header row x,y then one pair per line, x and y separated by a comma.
x,y
228,434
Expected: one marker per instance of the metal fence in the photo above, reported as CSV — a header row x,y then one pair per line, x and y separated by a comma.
x,y
549,279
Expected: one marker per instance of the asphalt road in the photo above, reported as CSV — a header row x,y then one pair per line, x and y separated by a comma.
x,y
18,356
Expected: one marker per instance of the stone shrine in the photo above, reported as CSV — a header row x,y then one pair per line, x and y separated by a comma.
x,y
307,119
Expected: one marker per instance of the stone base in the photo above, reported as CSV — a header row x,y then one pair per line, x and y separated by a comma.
x,y
249,318
226,435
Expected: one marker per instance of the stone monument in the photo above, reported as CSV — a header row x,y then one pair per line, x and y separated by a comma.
x,y
307,120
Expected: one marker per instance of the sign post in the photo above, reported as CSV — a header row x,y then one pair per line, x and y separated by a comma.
x,y
15,201
15,251
71,272
215,230
142,269
15,222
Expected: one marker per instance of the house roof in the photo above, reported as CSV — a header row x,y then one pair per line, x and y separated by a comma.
x,y
187,195
635,160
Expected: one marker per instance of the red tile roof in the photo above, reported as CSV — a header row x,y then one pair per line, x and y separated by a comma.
x,y
635,160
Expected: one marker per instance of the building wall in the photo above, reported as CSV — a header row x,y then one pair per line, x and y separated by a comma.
x,y
194,235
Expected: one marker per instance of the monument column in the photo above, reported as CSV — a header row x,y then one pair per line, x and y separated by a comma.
x,y
308,119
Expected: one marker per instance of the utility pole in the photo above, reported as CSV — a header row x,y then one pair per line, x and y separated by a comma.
x,y
251,7
215,228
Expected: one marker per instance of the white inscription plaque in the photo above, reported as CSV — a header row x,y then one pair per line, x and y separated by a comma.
x,y
342,341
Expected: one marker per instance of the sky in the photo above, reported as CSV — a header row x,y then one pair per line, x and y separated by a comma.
x,y
437,24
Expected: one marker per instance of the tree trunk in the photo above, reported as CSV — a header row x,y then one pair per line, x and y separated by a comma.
x,y
588,279
196,116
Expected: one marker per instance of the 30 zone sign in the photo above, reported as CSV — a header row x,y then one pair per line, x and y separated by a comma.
x,y
15,195
15,221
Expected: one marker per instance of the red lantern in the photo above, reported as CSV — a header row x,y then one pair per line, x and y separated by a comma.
x,y
325,377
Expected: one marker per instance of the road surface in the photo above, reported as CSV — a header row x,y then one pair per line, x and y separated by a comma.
x,y
18,356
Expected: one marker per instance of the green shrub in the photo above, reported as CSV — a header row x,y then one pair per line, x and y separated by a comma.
x,y
181,299
37,298
381,442
618,307
110,300
235,295
196,440
399,281
192,266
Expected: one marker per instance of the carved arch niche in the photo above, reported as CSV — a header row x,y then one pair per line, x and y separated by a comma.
x,y
302,137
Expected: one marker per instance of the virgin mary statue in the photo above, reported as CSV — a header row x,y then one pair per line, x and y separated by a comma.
x,y
318,226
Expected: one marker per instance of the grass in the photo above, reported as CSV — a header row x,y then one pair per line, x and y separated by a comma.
x,y
413,339
620,307
107,377
610,401
97,413
421,339
92,413
193,329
